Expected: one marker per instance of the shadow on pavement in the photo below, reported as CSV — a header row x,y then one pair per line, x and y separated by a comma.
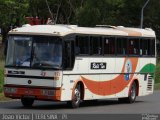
x,y
41,105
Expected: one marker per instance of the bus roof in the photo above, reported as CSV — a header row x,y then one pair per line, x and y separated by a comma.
x,y
62,30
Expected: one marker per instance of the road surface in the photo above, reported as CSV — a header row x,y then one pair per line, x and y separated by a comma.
x,y
145,104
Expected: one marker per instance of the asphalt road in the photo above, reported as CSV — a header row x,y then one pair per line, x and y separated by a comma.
x,y
146,104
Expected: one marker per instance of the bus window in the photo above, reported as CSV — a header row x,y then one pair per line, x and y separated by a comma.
x,y
34,52
96,45
109,46
68,55
121,46
152,48
82,45
144,47
133,46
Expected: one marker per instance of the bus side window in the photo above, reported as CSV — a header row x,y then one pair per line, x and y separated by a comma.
x,y
141,52
69,55
130,47
152,48
96,45
133,46
82,45
121,46
77,50
144,46
109,46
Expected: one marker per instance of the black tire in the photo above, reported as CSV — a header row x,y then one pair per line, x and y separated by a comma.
x,y
27,102
76,98
132,95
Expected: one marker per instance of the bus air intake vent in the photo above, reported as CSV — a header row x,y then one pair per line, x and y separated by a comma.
x,y
150,83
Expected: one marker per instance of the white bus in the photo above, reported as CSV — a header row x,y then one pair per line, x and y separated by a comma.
x,y
74,64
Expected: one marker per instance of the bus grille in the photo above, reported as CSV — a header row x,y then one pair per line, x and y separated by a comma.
x,y
150,83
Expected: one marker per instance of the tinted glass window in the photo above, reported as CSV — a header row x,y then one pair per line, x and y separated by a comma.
x,y
133,46
109,45
34,52
152,47
144,47
82,45
96,45
121,46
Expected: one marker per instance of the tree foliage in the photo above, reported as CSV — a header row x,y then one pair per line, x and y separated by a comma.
x,y
12,13
81,12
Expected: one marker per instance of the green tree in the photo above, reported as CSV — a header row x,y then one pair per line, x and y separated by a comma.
x,y
130,13
63,11
81,12
99,12
12,13
152,16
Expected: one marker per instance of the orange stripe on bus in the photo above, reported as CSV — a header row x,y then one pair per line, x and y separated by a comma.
x,y
113,86
131,32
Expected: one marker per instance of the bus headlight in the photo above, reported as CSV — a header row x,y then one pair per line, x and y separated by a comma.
x,y
10,90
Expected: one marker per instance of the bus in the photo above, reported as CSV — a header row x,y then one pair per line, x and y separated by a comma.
x,y
74,64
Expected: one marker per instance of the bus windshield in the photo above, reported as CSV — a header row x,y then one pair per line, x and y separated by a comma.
x,y
34,52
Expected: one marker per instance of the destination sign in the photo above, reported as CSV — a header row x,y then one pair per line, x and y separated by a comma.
x,y
98,65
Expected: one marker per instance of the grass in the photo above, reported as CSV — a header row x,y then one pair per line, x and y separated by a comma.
x,y
157,86
3,98
1,67
1,72
157,76
1,79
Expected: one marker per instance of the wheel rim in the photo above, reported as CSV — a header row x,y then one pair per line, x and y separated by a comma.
x,y
77,96
133,92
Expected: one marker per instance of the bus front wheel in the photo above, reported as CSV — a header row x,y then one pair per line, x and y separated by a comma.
x,y
27,102
76,98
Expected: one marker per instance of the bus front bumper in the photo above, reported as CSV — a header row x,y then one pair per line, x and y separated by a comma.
x,y
17,92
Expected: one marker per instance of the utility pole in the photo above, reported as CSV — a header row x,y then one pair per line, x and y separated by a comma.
x,y
142,13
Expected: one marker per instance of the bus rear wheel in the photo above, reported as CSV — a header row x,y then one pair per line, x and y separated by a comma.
x,y
27,102
132,95
76,98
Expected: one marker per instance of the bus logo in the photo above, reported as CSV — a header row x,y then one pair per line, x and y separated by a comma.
x,y
128,70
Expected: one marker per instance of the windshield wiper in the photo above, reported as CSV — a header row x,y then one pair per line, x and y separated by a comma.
x,y
43,65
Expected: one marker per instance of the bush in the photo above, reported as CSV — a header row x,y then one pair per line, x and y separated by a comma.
x,y
157,78
1,80
1,52
1,68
